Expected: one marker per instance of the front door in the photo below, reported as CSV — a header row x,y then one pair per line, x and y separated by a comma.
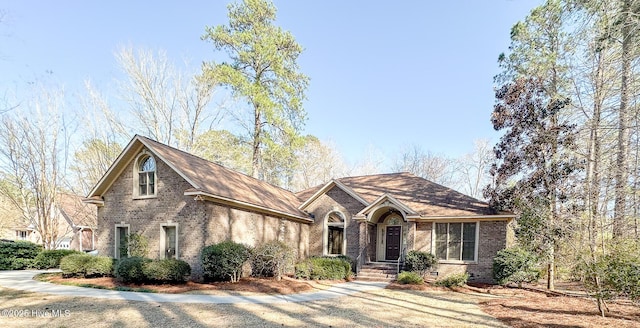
x,y
393,243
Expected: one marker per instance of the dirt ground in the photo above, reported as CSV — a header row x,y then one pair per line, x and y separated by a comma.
x,y
396,306
538,310
529,308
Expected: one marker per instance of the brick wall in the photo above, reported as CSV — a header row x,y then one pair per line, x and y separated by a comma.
x,y
493,236
200,223
335,200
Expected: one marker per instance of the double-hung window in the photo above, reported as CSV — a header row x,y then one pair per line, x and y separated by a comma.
x,y
456,241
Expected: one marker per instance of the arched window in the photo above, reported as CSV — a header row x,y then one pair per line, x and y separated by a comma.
x,y
335,237
146,176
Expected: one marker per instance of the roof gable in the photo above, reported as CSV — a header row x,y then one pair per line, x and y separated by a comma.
x,y
75,212
324,189
384,200
416,196
426,198
208,178
129,153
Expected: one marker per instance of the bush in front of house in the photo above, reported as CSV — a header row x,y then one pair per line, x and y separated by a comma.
x,y
18,255
456,279
15,263
272,259
137,244
419,262
224,261
131,269
49,259
86,266
410,277
166,271
321,268
515,265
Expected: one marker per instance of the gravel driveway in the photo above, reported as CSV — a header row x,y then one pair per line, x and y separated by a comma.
x,y
380,308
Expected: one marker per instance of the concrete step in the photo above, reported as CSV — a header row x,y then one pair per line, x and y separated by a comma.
x,y
378,272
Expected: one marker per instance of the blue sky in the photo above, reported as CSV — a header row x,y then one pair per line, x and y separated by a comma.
x,y
384,74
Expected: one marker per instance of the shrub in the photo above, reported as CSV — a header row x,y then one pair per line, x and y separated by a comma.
x,y
138,245
19,249
166,271
319,268
419,262
99,266
130,269
272,259
410,277
16,263
84,265
515,265
135,245
18,255
456,279
618,271
224,261
49,259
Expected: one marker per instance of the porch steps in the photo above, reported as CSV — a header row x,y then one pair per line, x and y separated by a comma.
x,y
378,271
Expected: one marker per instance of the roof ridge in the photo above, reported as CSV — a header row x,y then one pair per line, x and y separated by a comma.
x,y
375,175
217,164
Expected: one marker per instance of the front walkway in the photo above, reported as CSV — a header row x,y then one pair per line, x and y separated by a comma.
x,y
23,280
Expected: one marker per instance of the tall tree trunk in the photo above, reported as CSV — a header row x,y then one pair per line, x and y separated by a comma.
x,y
257,131
593,161
622,174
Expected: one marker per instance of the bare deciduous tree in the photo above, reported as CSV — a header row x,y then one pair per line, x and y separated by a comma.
x,y
425,164
168,105
317,163
32,163
473,168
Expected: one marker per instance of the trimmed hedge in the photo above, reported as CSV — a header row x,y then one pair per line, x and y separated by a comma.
x,y
85,265
320,268
456,279
49,259
18,255
410,277
166,271
224,261
131,269
14,263
272,259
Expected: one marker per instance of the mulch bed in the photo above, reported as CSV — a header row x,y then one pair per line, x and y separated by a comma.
x,y
539,310
256,285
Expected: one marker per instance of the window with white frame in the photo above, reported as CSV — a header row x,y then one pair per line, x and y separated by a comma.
x,y
146,176
335,234
22,234
169,240
456,241
121,241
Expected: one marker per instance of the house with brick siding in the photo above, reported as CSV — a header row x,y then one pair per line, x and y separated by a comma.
x,y
183,203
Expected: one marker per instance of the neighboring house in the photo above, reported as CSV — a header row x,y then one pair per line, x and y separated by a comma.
x,y
75,222
183,203
81,218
